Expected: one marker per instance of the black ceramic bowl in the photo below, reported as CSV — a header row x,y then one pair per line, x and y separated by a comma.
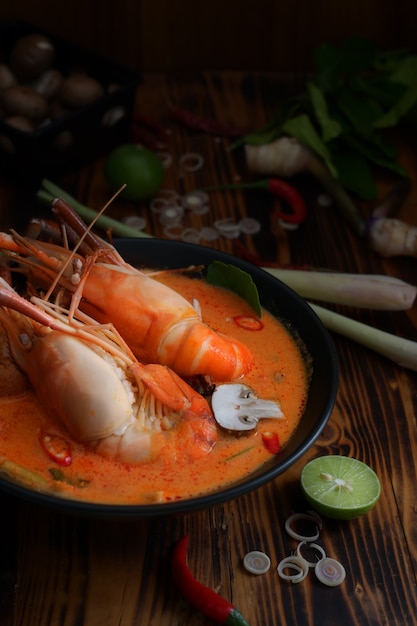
x,y
279,300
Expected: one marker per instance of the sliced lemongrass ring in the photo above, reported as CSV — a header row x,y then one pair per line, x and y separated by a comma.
x,y
191,161
173,231
166,159
203,209
227,228
257,562
287,225
171,194
158,204
309,517
190,235
171,214
249,226
311,546
296,564
323,199
330,572
135,221
209,233
195,200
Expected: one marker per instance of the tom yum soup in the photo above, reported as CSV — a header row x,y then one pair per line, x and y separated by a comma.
x,y
162,409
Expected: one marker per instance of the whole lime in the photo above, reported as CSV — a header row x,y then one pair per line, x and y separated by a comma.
x,y
135,166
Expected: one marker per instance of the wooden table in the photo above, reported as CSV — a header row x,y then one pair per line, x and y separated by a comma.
x,y
59,570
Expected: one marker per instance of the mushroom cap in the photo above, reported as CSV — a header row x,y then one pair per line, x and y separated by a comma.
x,y
237,407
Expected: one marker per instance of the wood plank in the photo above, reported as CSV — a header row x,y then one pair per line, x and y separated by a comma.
x,y
59,570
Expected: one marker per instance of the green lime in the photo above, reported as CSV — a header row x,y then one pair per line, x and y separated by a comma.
x,y
340,487
133,165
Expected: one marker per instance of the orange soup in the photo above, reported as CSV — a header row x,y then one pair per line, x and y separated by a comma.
x,y
279,373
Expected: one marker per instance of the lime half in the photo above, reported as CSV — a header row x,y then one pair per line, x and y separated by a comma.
x,y
340,487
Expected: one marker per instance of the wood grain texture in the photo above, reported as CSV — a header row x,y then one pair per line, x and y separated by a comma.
x,y
58,570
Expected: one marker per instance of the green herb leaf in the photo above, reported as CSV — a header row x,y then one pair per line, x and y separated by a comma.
x,y
236,280
302,129
355,174
330,128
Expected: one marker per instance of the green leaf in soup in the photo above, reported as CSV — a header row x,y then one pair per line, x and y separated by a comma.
x,y
302,129
236,280
355,174
330,128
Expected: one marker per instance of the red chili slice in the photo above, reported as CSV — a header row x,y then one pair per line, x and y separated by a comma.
x,y
57,448
271,442
248,322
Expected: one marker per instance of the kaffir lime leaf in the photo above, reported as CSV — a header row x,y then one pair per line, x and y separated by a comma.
x,y
340,487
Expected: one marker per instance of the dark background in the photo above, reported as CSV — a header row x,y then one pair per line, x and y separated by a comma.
x,y
162,35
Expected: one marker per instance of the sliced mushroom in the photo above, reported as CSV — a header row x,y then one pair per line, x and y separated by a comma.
x,y
237,407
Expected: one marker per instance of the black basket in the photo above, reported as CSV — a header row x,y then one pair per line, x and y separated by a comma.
x,y
93,128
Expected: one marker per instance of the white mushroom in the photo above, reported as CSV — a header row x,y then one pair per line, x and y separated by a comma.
x,y
237,407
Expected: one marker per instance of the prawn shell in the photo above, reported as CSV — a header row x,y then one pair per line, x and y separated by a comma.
x,y
75,383
160,325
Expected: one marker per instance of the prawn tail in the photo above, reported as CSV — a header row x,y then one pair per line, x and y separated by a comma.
x,y
194,348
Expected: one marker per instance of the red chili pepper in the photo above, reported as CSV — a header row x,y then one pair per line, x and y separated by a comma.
x,y
148,132
292,197
200,597
57,448
192,121
271,442
248,322
280,188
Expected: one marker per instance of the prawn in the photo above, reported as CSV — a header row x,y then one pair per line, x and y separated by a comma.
x,y
85,375
158,324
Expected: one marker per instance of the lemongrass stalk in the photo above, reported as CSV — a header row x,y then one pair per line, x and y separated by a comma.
x,y
376,292
402,351
51,191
